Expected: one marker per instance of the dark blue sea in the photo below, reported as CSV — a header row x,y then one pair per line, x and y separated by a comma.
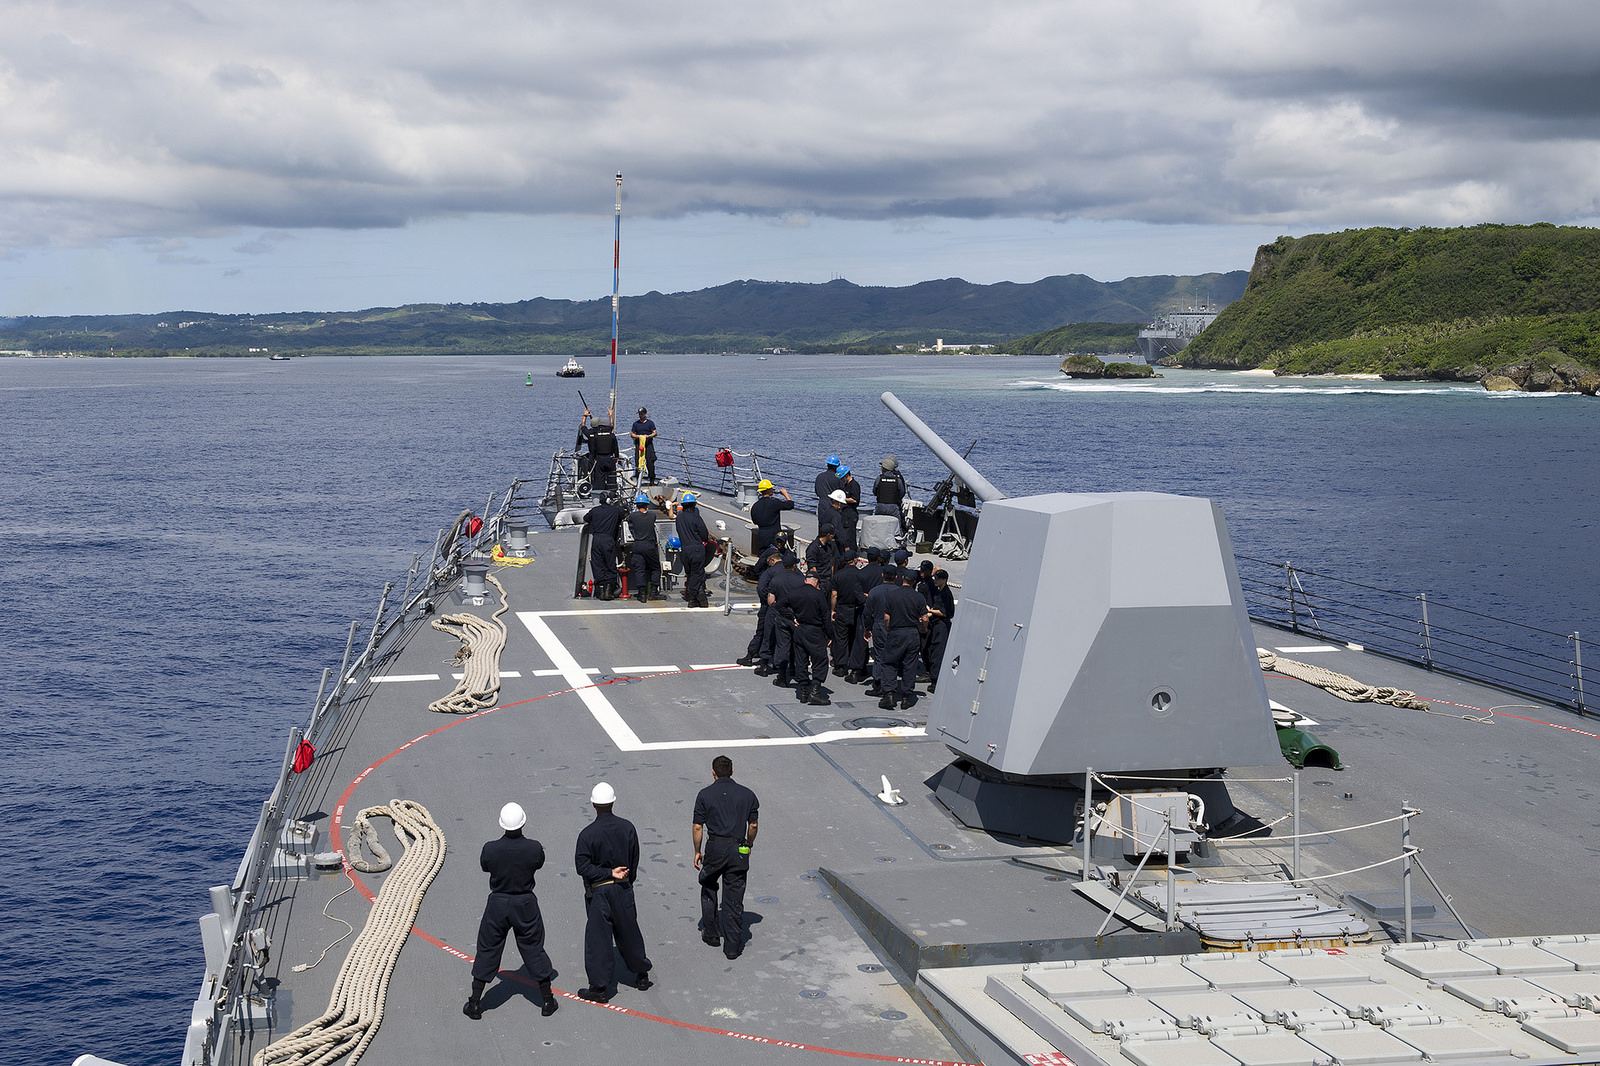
x,y
185,542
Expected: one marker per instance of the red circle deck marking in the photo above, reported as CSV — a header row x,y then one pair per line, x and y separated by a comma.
x,y
361,886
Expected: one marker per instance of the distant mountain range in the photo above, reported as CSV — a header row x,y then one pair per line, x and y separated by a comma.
x,y
742,315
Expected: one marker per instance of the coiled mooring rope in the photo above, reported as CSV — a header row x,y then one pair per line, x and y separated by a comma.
x,y
481,645
1346,688
356,1006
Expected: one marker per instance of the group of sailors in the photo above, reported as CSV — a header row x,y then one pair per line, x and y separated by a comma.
x,y
598,451
862,614
691,540
606,859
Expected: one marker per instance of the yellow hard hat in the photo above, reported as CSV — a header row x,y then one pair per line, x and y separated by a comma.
x,y
764,485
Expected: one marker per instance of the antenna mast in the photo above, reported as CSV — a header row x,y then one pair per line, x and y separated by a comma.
x,y
616,289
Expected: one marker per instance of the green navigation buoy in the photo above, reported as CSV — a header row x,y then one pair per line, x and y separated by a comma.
x,y
530,378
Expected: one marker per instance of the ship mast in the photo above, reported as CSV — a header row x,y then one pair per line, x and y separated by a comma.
x,y
616,289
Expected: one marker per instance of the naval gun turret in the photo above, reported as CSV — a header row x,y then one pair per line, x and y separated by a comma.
x,y
1102,631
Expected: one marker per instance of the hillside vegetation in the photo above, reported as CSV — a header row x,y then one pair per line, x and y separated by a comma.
x,y
740,316
1466,303
1096,338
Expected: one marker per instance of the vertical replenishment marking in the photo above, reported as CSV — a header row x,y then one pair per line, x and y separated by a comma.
x,y
616,292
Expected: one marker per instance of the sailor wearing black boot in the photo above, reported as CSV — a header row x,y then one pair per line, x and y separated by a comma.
x,y
759,652
905,619
603,522
781,614
644,556
767,514
696,542
873,631
847,597
607,860
813,630
725,816
511,862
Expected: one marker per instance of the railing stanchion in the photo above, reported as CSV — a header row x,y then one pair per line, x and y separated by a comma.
x,y
1088,813
1172,884
1577,662
1296,869
1288,583
1405,862
1427,634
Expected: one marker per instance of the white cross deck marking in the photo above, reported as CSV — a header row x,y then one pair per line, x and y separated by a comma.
x,y
1309,647
668,669
619,731
503,673
407,677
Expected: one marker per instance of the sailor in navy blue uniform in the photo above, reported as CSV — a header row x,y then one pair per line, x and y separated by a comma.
x,y
607,859
827,481
725,817
822,556
603,522
695,541
767,515
872,627
905,616
781,617
511,861
847,597
644,447
941,610
871,577
759,652
849,516
813,631
644,555
890,491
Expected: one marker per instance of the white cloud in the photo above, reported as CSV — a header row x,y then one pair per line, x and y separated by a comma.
x,y
211,118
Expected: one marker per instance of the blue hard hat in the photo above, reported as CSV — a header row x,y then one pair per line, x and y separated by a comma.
x,y
673,543
689,497
843,470
833,460
641,498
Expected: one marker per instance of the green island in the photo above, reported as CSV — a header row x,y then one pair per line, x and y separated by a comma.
x,y
1513,307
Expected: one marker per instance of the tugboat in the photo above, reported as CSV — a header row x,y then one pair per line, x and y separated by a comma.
x,y
570,369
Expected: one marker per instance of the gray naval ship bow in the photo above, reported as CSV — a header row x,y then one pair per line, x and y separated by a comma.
x,y
928,885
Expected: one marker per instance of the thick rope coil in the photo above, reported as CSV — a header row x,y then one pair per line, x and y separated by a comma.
x,y
481,645
356,1006
1346,688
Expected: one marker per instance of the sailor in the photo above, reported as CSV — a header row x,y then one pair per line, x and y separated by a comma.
x,y
767,514
941,613
581,449
905,619
759,652
870,576
603,522
813,631
822,556
644,447
890,491
827,481
873,631
607,859
849,508
695,545
780,616
725,816
603,451
847,597
644,557
829,509
511,861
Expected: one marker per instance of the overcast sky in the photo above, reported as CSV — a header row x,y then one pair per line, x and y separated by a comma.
x,y
329,154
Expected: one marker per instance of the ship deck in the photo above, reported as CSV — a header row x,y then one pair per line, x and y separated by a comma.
x,y
643,696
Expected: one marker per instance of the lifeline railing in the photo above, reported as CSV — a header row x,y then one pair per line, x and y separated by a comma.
x,y
234,952
1541,663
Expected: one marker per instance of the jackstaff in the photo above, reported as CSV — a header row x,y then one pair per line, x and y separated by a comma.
x,y
616,289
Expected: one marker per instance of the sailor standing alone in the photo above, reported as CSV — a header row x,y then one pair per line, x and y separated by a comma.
x,y
607,860
511,862
725,815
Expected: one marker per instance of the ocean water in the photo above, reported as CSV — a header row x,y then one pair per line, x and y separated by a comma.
x,y
186,541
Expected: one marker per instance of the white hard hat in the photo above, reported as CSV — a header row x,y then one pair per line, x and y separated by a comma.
x,y
602,795
512,816
837,496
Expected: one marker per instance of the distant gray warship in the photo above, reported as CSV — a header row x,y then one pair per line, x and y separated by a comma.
x,y
1172,332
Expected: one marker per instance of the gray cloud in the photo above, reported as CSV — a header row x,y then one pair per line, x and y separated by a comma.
x,y
128,119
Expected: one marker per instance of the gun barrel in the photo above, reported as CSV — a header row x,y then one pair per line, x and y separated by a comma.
x,y
947,455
